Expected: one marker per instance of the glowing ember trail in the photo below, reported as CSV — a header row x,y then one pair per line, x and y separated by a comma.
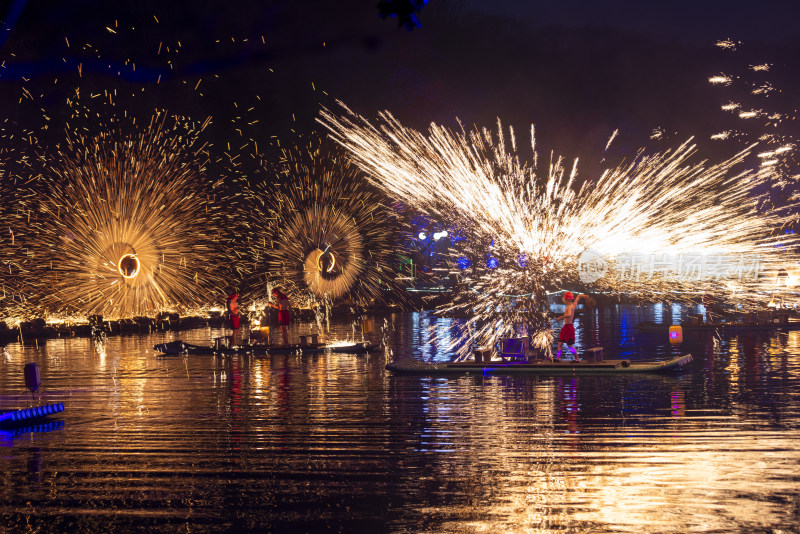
x,y
528,233
14,258
128,223
768,114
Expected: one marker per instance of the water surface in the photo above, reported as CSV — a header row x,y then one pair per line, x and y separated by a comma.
x,y
335,443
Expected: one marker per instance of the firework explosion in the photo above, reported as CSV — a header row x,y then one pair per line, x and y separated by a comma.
x,y
525,232
320,231
127,224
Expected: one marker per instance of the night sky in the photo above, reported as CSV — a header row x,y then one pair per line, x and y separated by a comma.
x,y
578,70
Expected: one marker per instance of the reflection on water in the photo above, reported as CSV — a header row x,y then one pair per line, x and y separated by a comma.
x,y
335,443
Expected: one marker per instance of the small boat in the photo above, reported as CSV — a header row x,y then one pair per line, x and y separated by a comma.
x,y
541,367
648,326
179,347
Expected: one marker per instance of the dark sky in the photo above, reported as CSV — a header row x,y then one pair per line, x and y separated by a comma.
x,y
577,69
699,21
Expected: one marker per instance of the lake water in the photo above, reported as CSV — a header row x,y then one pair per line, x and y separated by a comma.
x,y
335,443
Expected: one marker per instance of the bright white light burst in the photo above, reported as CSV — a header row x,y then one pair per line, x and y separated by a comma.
x,y
535,224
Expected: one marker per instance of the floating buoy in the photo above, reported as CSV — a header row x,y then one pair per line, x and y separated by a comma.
x,y
676,334
19,416
32,378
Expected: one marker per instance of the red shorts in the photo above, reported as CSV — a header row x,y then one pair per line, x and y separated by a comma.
x,y
283,317
567,334
235,322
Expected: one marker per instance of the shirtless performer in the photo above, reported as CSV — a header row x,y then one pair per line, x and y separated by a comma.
x,y
567,334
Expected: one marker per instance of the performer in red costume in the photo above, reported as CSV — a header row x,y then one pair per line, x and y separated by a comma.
x,y
567,334
284,312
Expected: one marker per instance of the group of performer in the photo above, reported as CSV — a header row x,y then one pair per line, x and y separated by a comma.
x,y
279,301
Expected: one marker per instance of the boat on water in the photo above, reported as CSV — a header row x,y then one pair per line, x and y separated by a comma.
x,y
179,347
541,367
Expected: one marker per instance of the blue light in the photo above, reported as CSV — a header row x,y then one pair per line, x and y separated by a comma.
x,y
463,263
491,263
12,16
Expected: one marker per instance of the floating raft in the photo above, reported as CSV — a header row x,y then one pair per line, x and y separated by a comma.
x,y
541,367
179,347
24,417
732,326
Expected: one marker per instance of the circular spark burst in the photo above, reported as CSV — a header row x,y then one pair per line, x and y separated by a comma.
x,y
321,231
129,266
322,274
127,224
525,232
